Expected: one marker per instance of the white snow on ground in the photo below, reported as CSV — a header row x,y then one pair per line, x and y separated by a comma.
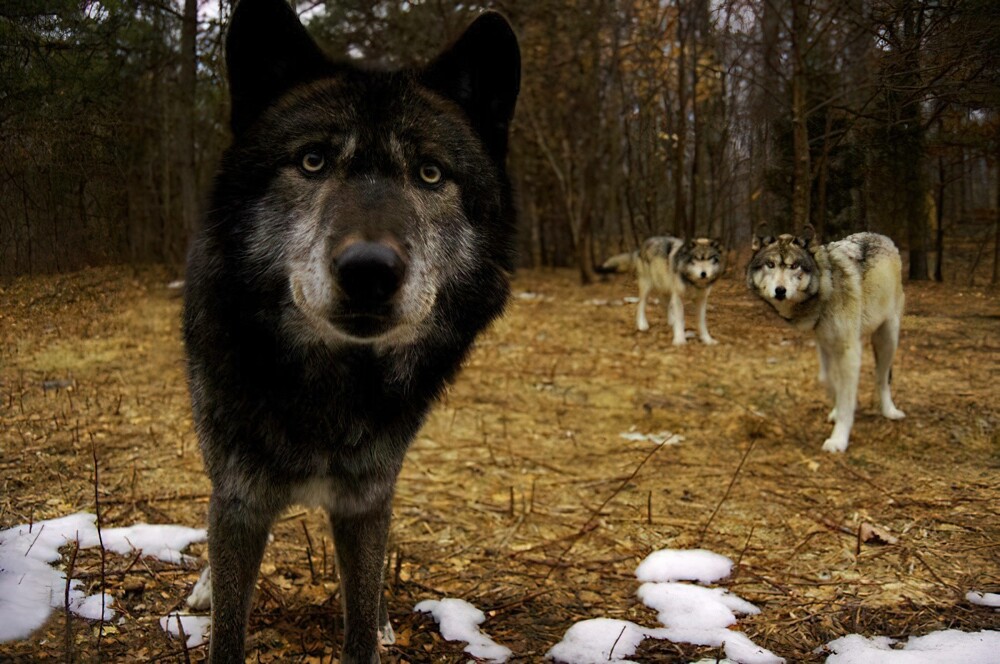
x,y
689,614
30,587
983,599
683,606
460,621
195,627
597,641
945,647
684,565
660,438
163,542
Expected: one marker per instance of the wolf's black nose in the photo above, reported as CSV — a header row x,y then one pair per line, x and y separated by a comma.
x,y
370,273
704,274
779,293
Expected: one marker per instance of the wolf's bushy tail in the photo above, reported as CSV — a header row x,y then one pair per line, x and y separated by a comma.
x,y
619,263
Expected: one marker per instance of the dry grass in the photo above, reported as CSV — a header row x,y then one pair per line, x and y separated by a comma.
x,y
520,495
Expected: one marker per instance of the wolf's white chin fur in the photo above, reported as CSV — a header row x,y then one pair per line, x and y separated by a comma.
x,y
318,325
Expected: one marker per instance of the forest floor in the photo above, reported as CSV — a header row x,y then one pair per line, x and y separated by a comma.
x,y
520,494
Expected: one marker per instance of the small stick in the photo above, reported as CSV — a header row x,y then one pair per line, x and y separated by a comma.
x,y
399,568
616,642
746,545
309,546
69,622
587,527
184,641
753,443
322,542
649,508
100,540
34,540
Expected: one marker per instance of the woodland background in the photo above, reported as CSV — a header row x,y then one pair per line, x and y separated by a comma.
x,y
691,117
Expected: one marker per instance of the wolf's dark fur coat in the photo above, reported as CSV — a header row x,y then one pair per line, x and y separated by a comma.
x,y
289,408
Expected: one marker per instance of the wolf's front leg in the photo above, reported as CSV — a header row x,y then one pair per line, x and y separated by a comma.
x,y
824,380
677,315
703,334
237,535
641,323
360,540
843,371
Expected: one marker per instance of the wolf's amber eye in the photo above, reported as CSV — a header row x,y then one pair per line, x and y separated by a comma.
x,y
313,161
770,265
794,266
430,173
715,259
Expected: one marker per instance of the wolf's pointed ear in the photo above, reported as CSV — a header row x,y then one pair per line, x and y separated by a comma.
x,y
481,72
267,51
808,238
760,237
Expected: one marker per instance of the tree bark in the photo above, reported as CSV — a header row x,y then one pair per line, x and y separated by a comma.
x,y
802,172
186,141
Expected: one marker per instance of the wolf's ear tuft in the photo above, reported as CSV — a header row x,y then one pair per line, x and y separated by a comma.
x,y
267,51
808,238
481,72
761,237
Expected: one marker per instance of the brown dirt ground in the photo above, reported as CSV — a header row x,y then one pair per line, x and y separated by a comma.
x,y
520,494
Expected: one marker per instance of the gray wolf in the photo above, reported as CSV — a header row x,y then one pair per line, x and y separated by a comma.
x,y
843,292
359,235
671,266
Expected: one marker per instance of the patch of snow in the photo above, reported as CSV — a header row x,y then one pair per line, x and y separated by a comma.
x,y
460,621
195,627
660,438
597,641
30,587
689,614
983,599
162,542
684,565
948,646
684,606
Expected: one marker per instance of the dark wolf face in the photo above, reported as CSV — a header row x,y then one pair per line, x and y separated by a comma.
x,y
702,261
783,270
359,200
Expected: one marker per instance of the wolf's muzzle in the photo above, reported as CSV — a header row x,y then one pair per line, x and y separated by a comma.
x,y
780,293
369,273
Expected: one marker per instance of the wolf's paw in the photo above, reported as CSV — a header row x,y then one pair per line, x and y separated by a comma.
x,y
679,342
893,413
200,598
642,326
709,341
386,635
835,445
832,416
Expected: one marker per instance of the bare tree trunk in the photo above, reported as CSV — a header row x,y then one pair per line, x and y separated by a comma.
x,y
802,172
995,278
939,218
186,141
680,200
823,177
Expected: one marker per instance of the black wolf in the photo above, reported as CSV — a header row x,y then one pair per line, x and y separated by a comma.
x,y
359,237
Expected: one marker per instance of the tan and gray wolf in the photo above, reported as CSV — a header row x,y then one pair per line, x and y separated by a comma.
x,y
671,266
359,236
843,292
